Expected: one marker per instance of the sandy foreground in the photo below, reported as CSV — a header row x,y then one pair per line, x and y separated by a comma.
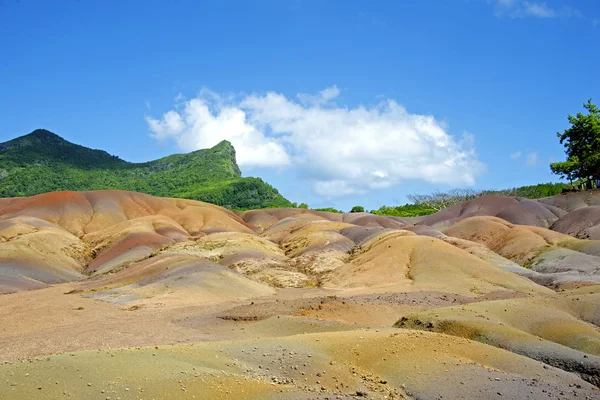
x,y
290,345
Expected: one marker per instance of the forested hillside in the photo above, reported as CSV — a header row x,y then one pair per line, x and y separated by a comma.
x,y
43,161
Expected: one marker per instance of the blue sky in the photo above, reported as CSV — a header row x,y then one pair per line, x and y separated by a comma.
x,y
335,103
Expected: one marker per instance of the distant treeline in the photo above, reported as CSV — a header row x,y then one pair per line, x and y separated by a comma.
x,y
425,204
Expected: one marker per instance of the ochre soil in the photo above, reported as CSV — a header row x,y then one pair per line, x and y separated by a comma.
x,y
119,295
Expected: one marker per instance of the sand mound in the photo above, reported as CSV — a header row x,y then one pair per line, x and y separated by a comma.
x,y
178,279
34,253
219,246
251,255
316,236
583,223
520,325
64,236
406,262
576,214
361,234
511,209
365,219
87,212
573,200
561,259
262,220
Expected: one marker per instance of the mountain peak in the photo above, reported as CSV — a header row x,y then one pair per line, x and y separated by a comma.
x,y
44,147
223,143
42,134
36,137
226,147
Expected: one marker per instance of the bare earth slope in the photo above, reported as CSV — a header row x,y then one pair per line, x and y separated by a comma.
x,y
576,214
114,294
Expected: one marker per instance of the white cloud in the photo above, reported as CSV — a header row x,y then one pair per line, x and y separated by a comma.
x,y
204,122
532,159
536,9
341,150
516,155
540,10
323,97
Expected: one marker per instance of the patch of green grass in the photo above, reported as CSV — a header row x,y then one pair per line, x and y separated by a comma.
x,y
328,209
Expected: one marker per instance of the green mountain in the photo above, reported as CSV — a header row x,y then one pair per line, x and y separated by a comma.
x,y
43,161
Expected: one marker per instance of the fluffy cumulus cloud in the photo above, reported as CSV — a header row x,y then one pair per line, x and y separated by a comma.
x,y
536,9
341,150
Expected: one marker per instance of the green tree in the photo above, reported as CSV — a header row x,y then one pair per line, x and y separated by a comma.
x,y
357,209
582,147
303,205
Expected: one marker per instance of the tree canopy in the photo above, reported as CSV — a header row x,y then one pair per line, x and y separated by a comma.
x,y
582,147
